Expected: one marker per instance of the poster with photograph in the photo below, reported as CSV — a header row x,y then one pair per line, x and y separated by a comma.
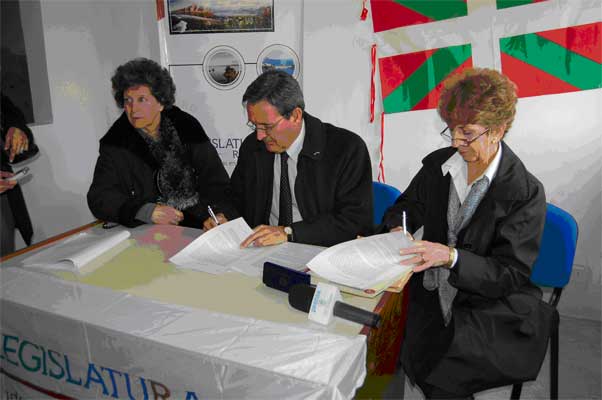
x,y
278,57
212,72
223,67
216,16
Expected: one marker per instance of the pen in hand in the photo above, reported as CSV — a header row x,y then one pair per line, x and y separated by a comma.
x,y
212,215
403,216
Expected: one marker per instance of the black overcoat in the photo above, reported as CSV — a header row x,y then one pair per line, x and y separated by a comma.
x,y
125,174
500,327
333,186
11,116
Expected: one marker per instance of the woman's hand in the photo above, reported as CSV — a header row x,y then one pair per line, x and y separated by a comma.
x,y
166,215
399,228
16,142
209,223
427,255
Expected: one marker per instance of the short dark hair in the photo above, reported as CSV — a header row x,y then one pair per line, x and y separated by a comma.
x,y
277,88
142,71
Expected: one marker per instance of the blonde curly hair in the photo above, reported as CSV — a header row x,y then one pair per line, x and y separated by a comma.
x,y
478,96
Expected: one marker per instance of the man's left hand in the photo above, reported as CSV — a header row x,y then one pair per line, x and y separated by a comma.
x,y
427,255
16,142
265,235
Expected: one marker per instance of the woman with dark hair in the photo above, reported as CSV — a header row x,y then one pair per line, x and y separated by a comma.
x,y
156,164
475,321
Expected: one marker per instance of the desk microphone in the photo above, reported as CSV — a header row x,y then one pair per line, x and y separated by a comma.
x,y
300,297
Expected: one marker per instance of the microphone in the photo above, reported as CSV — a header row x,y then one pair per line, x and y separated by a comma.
x,y
300,297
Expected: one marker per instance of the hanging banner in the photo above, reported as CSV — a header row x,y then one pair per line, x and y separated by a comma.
x,y
555,61
513,3
214,49
390,14
414,81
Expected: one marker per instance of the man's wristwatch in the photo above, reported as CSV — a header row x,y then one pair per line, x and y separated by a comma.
x,y
289,233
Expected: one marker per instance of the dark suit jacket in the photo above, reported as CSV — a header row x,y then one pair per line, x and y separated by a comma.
x,y
333,186
124,176
500,326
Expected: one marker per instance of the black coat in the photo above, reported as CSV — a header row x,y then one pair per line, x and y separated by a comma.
x,y
124,177
11,116
333,186
500,327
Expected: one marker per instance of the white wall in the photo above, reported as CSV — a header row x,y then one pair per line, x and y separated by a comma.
x,y
558,136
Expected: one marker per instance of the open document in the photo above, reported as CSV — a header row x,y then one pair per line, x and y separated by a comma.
x,y
367,263
76,251
218,251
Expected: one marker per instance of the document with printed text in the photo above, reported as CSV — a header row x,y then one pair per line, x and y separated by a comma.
x,y
218,251
364,263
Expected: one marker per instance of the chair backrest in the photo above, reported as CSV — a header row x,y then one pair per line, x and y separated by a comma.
x,y
555,261
384,197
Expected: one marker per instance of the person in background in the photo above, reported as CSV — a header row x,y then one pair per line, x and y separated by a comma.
x,y
297,178
17,145
156,163
475,321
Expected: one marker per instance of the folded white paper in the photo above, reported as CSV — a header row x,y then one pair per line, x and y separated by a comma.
x,y
76,251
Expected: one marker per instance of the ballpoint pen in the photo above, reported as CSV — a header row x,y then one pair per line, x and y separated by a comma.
x,y
403,216
212,215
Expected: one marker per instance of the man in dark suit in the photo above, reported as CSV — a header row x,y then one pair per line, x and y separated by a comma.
x,y
297,178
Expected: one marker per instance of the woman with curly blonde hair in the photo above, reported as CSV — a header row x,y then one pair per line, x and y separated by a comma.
x,y
475,320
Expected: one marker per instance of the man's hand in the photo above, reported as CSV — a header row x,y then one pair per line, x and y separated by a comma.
x,y
427,255
5,182
265,235
16,142
166,215
209,223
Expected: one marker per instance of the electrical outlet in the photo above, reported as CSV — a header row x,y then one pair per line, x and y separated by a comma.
x,y
580,274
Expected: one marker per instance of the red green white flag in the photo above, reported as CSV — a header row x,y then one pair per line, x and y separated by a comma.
x,y
513,3
390,14
555,61
414,81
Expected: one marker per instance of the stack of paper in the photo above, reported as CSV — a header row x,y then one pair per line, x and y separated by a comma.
x,y
371,264
218,251
76,251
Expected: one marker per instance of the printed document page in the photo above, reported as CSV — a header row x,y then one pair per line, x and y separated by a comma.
x,y
77,250
218,250
363,263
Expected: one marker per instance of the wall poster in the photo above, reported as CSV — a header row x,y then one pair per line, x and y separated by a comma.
x,y
214,49
214,16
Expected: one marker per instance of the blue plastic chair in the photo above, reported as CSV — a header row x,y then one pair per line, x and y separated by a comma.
x,y
384,197
553,269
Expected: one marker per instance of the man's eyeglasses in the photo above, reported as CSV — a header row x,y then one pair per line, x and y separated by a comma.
x,y
267,128
468,137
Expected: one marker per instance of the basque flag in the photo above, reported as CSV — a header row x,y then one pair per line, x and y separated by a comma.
x,y
555,61
513,3
414,81
390,14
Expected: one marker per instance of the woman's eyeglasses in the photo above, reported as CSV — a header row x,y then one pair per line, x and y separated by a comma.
x,y
466,140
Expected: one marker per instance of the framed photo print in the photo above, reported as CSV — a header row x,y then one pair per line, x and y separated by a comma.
x,y
215,16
